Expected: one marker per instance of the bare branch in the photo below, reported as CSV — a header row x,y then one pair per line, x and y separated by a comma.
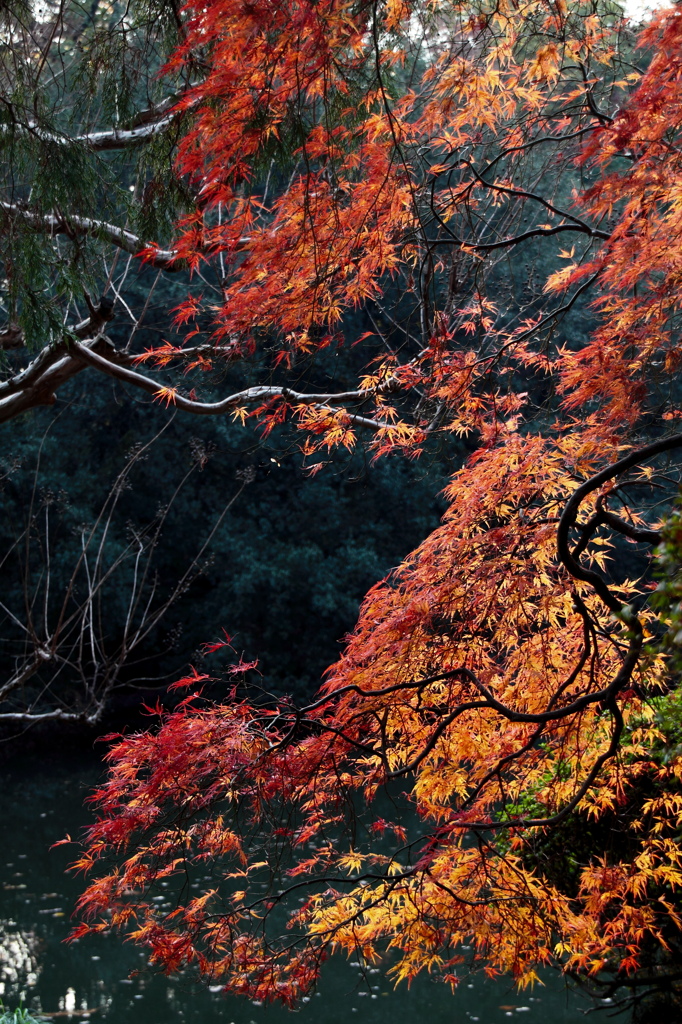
x,y
504,243
75,641
58,715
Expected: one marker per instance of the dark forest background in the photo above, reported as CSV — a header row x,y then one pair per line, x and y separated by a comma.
x,y
111,501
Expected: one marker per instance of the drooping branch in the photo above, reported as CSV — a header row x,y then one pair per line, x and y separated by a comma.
x,y
570,806
606,696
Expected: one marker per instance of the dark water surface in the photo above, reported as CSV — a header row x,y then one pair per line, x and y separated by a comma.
x,y
90,980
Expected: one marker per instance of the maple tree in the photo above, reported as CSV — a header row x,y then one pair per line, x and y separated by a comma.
x,y
507,680
87,138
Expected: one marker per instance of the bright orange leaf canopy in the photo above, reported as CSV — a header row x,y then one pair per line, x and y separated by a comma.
x,y
403,160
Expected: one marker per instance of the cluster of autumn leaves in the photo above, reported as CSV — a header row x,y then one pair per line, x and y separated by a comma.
x,y
506,680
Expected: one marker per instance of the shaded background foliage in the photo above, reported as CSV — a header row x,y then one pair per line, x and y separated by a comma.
x,y
284,572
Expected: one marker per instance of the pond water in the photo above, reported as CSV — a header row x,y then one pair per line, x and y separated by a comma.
x,y
101,978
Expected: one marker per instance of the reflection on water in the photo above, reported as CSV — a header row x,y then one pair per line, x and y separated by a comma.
x,y
102,978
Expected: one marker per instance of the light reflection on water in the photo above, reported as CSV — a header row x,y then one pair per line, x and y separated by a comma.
x,y
103,979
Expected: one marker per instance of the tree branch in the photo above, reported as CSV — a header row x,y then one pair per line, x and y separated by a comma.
x,y
142,127
521,193
260,393
117,138
570,515
73,225
515,239
54,366
30,718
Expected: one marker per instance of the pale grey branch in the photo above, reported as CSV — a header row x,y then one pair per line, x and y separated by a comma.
x,y
73,225
248,396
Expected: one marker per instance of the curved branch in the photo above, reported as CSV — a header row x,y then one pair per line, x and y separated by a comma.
x,y
628,530
521,193
37,383
260,393
569,516
58,363
587,782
